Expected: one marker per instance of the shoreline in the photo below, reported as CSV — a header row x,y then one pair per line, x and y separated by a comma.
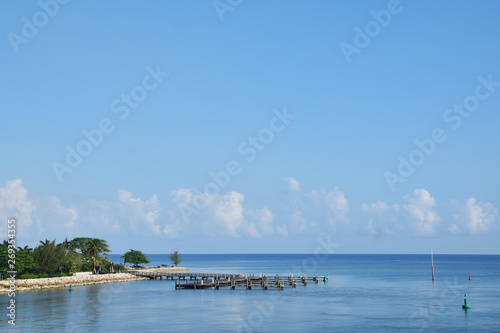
x,y
158,269
78,280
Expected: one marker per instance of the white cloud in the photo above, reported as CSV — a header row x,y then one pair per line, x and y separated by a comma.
x,y
338,205
219,214
321,204
420,210
383,219
69,215
315,198
308,212
227,212
454,229
282,229
102,216
378,208
292,183
479,217
127,214
298,220
263,219
141,215
417,214
14,202
370,228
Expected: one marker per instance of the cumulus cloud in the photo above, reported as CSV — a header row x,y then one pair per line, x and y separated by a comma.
x,y
454,229
14,202
478,217
378,208
371,229
292,183
227,212
418,214
282,230
338,205
332,205
68,215
420,210
309,211
298,220
125,214
382,219
218,214
263,220
142,215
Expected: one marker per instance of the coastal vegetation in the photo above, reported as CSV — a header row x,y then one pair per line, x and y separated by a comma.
x,y
49,259
135,257
175,257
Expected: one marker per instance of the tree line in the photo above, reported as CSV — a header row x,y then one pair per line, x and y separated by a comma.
x,y
48,259
81,254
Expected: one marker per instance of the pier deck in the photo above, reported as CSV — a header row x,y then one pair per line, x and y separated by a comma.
x,y
219,280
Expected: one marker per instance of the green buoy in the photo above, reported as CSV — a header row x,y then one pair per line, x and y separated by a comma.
x,y
70,288
466,305
325,278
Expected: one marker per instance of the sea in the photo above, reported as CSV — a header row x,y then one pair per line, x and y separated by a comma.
x,y
364,293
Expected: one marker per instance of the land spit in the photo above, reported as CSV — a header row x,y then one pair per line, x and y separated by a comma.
x,y
76,280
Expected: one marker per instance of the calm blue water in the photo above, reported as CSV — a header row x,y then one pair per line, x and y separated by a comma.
x,y
365,293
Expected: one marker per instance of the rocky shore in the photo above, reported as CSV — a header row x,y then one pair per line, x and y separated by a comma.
x,y
65,281
84,279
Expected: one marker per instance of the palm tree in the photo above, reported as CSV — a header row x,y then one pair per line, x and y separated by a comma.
x,y
95,247
67,245
96,262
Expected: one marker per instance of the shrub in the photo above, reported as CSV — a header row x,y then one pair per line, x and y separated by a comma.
x,y
29,276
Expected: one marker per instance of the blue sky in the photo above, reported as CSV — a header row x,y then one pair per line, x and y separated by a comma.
x,y
373,125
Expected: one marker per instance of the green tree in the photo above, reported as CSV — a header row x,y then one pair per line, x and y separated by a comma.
x,y
96,263
95,247
75,262
175,257
91,249
25,261
135,257
79,243
48,257
4,258
67,246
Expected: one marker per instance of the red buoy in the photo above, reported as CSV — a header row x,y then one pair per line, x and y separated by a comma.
x,y
470,277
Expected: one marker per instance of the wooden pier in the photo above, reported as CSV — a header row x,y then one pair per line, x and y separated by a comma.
x,y
183,275
220,280
249,282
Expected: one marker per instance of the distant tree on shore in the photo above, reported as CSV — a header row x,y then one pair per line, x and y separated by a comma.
x,y
135,257
175,257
